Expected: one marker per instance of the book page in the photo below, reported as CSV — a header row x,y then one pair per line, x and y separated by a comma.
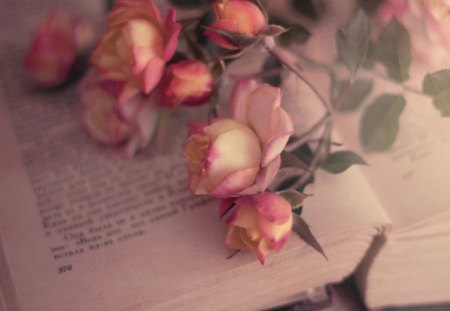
x,y
410,179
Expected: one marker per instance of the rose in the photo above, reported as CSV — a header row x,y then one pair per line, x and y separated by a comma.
x,y
260,223
437,20
239,156
128,127
133,51
59,39
238,22
187,83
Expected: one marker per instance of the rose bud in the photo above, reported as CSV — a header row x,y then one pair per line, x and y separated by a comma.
x,y
239,156
55,46
107,122
188,83
238,23
260,223
135,47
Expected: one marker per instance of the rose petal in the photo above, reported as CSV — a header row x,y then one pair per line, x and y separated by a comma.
x,y
261,105
233,239
245,216
152,74
282,241
224,158
264,178
235,182
129,90
276,234
274,147
263,250
239,99
172,31
274,208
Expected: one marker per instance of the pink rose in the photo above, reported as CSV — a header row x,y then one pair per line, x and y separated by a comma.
x,y
133,51
55,46
128,127
236,20
260,223
188,83
437,20
239,156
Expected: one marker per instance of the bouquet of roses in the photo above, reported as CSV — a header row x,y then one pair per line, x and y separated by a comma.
x,y
144,63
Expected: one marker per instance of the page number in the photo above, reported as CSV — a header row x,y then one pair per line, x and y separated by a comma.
x,y
66,268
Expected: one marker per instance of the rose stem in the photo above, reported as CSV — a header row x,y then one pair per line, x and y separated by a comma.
x,y
305,136
281,56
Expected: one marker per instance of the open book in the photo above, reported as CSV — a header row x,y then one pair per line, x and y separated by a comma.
x,y
82,229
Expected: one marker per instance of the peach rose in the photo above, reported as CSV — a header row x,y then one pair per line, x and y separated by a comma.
x,y
437,19
133,51
260,223
129,127
55,45
239,156
237,21
188,83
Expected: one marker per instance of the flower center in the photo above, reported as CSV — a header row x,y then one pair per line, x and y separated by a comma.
x,y
195,152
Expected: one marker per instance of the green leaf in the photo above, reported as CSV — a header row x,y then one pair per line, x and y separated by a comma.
x,y
302,229
393,50
352,40
288,183
437,84
272,63
297,211
274,31
236,38
339,161
290,160
304,153
295,34
380,122
369,60
295,198
354,96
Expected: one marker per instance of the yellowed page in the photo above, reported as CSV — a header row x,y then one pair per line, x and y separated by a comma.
x,y
410,179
